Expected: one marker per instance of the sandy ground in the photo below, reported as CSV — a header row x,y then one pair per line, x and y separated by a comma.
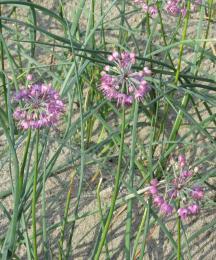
x,y
86,231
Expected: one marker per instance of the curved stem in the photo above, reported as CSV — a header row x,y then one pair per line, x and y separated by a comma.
x,y
115,191
34,198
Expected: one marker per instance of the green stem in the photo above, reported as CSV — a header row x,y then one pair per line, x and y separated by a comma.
x,y
186,97
33,32
103,40
44,226
178,120
18,43
90,122
184,34
10,239
131,175
145,231
101,215
136,243
82,158
34,197
61,240
115,191
167,106
121,31
210,4
148,48
21,174
2,65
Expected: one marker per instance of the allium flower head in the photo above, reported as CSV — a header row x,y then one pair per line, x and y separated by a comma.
x,y
41,106
150,9
120,83
180,188
173,7
177,7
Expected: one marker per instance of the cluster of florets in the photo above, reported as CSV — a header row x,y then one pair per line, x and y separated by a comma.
x,y
120,83
40,106
180,189
150,9
177,7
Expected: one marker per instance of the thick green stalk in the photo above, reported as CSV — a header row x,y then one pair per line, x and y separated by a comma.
x,y
34,197
131,177
115,191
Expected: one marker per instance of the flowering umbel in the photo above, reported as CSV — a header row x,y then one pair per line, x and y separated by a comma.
x,y
39,106
147,8
180,189
177,7
120,83
172,7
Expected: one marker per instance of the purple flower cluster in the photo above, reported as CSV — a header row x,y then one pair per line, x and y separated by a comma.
x,y
177,7
180,188
150,9
120,83
158,200
41,106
